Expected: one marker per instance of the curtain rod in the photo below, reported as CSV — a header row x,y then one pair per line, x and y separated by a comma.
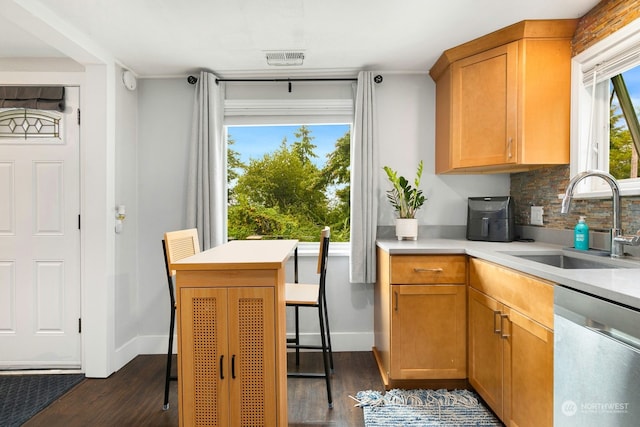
x,y
290,80
193,80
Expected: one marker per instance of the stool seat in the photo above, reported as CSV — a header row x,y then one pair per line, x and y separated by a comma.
x,y
301,294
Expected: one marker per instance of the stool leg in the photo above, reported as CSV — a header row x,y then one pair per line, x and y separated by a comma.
x,y
297,336
165,406
325,355
326,319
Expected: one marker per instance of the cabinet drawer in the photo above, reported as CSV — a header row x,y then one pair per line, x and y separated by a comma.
x,y
419,269
529,295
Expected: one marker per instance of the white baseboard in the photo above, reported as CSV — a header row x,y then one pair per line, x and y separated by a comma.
x,y
125,353
156,344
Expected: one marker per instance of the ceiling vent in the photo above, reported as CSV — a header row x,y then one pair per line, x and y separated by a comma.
x,y
285,58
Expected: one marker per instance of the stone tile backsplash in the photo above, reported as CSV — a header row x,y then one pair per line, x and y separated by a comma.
x,y
607,17
541,187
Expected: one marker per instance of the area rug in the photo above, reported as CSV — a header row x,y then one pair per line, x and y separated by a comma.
x,y
23,396
424,408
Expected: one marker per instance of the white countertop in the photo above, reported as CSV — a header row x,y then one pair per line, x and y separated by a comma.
x,y
240,254
621,285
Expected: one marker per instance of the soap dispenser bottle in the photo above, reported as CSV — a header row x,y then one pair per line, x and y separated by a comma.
x,y
581,235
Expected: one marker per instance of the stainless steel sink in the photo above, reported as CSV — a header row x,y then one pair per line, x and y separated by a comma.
x,y
570,260
564,261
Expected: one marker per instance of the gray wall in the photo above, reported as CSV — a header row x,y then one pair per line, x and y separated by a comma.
x,y
406,126
164,114
126,193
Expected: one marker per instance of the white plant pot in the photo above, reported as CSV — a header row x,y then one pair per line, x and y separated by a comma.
x,y
407,228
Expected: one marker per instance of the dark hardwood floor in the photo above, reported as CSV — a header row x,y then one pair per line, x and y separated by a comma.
x,y
133,395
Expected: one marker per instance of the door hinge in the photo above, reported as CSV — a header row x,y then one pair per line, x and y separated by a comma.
x,y
78,117
79,222
79,325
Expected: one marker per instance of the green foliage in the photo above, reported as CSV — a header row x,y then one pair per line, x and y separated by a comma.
x,y
285,195
404,198
246,219
336,175
233,166
621,148
303,148
233,161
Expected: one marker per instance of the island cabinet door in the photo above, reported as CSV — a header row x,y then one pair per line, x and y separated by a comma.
x,y
252,341
227,352
486,354
203,378
428,332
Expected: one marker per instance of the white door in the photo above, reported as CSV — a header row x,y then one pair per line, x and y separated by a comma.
x,y
40,239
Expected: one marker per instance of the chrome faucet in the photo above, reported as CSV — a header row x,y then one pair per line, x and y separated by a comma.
x,y
617,239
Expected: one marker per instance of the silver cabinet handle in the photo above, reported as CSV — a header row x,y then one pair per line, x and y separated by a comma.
x,y
502,334
496,328
428,270
509,143
632,341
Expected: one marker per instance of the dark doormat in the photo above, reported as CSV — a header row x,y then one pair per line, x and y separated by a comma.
x,y
23,396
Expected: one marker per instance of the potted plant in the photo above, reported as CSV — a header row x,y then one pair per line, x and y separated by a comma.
x,y
406,200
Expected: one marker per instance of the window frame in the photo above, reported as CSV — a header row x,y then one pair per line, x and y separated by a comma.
x,y
622,40
279,112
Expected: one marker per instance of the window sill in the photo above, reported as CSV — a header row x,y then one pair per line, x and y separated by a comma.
x,y
306,249
603,194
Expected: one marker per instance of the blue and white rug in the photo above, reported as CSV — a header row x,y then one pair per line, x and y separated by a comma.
x,y
424,408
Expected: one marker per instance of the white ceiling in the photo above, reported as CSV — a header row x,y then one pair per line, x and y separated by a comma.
x,y
230,37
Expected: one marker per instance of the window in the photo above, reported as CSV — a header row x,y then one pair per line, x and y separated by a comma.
x,y
606,104
287,181
624,131
277,132
27,125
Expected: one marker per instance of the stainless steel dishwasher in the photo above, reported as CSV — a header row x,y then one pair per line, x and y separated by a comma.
x,y
596,361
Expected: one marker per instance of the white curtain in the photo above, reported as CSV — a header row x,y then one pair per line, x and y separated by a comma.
x,y
207,180
364,183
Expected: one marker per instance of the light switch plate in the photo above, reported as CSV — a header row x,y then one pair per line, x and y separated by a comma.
x,y
536,215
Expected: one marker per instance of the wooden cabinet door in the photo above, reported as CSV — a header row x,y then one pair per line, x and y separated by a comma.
x,y
486,359
484,113
228,356
530,375
252,352
428,339
204,357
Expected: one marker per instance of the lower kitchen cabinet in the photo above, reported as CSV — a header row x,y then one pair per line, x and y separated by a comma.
x,y
427,332
420,318
511,343
228,356
486,361
531,372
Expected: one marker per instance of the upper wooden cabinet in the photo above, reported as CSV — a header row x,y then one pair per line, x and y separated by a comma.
x,y
503,100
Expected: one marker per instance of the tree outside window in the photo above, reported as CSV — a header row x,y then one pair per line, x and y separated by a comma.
x,y
623,155
289,191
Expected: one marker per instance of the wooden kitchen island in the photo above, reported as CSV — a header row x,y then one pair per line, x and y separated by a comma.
x,y
232,334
